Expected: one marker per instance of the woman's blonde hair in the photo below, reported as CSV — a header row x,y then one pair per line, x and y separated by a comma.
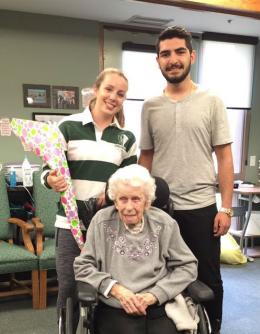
x,y
100,78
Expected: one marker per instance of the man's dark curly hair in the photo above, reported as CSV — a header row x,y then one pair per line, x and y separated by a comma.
x,y
174,32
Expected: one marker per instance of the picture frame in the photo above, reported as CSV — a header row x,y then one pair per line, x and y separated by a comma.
x,y
36,96
65,97
49,118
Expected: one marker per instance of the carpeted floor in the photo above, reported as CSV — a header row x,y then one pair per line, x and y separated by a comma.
x,y
241,298
241,306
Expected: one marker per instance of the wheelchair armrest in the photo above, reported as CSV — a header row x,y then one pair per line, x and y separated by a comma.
x,y
200,292
87,294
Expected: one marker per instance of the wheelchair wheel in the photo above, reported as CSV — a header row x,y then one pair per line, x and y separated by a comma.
x,y
69,316
204,324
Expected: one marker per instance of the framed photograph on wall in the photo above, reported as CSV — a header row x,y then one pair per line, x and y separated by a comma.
x,y
65,97
36,96
49,118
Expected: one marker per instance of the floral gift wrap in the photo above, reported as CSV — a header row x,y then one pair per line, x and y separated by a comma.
x,y
47,142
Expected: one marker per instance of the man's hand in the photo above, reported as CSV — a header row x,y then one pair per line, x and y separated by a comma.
x,y
221,224
56,182
131,303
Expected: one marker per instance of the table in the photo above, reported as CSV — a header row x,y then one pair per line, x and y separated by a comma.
x,y
246,194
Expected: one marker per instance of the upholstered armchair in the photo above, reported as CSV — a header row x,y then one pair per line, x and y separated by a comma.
x,y
16,258
45,202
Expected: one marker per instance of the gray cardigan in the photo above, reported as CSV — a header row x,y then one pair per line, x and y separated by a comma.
x,y
157,260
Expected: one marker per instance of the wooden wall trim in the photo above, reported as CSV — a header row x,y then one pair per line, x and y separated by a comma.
x,y
248,8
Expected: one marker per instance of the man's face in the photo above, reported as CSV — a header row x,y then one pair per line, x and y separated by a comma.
x,y
130,203
175,60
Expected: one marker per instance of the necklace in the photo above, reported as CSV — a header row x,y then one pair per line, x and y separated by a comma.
x,y
137,228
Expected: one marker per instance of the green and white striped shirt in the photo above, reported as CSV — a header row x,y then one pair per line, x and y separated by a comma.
x,y
93,156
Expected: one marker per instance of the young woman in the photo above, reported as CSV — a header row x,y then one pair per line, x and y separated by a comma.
x,y
97,146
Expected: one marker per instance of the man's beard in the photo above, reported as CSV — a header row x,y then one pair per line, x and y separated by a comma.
x,y
177,79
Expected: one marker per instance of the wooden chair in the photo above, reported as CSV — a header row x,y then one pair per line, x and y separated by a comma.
x,y
16,258
45,201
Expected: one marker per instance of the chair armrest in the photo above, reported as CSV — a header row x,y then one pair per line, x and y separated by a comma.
x,y
87,294
39,234
26,228
37,223
200,292
21,223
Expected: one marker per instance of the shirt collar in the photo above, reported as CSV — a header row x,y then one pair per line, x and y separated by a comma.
x,y
87,118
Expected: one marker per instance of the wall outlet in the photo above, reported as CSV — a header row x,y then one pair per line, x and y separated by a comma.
x,y
252,160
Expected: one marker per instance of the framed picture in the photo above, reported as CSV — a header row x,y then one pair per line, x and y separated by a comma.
x,y
65,97
49,118
36,96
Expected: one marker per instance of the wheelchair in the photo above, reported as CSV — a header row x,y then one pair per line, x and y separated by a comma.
x,y
88,300
88,296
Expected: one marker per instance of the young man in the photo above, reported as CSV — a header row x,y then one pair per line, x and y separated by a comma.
x,y
180,130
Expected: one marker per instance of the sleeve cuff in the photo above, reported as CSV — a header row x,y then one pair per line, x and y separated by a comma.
x,y
160,294
111,284
44,176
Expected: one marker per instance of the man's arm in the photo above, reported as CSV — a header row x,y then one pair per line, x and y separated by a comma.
x,y
226,180
146,159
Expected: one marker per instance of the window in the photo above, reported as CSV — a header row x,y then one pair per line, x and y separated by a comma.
x,y
145,80
227,68
238,120
142,71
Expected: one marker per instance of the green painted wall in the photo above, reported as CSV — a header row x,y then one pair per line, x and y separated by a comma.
x,y
254,133
41,49
62,51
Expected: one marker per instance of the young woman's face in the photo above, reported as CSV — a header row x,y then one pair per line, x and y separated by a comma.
x,y
111,94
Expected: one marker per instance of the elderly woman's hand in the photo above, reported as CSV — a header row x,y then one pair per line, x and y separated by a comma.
x,y
147,298
131,303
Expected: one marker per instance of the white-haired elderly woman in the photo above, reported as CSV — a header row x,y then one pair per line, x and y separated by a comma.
x,y
135,257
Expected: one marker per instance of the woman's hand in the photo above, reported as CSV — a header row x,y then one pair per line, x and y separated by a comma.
x,y
131,303
56,182
147,298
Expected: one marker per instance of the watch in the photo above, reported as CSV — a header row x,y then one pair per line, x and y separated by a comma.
x,y
228,211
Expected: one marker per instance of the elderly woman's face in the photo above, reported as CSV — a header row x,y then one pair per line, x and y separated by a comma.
x,y
130,203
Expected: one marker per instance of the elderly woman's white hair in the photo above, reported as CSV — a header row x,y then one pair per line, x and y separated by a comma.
x,y
135,176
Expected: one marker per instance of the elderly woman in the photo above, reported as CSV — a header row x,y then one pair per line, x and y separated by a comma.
x,y
135,258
